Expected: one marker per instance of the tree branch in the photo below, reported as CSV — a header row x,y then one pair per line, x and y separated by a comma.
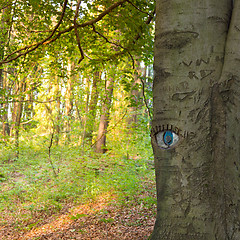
x,y
106,39
101,15
49,39
139,8
147,22
76,31
22,101
36,45
126,49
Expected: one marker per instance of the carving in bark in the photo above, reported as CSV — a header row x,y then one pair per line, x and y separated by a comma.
x,y
198,184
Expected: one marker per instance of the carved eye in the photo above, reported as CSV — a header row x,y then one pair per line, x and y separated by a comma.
x,y
166,139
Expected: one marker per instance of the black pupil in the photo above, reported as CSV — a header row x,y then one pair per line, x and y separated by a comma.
x,y
168,139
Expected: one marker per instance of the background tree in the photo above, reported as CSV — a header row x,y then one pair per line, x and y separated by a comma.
x,y
92,108
5,29
105,114
196,104
69,99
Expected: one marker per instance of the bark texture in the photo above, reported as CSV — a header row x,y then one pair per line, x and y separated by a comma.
x,y
104,119
17,114
69,100
196,96
5,27
90,121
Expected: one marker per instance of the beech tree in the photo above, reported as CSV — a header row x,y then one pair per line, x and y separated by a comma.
x,y
195,127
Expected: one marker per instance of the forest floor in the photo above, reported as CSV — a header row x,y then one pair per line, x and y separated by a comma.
x,y
98,220
102,197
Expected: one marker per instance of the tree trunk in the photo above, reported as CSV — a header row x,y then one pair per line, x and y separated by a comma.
x,y
5,123
57,106
84,121
196,114
17,114
90,121
135,94
69,100
104,119
4,29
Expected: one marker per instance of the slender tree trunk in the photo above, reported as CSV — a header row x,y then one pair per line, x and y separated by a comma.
x,y
5,123
57,121
69,101
90,121
4,29
104,119
85,113
195,128
28,106
135,94
17,114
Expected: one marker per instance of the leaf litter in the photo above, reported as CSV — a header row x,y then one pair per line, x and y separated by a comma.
x,y
101,219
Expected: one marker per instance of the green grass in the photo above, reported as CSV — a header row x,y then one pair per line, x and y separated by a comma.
x,y
28,185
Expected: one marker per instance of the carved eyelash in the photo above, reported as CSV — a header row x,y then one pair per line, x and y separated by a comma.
x,y
162,128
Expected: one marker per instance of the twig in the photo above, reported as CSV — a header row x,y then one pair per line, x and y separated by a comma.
x,y
22,123
49,154
116,44
76,32
106,39
145,99
150,18
133,63
51,142
138,8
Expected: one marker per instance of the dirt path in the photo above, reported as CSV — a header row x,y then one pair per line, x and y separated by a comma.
x,y
92,221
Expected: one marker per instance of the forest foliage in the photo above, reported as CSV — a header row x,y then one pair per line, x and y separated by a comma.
x,y
75,82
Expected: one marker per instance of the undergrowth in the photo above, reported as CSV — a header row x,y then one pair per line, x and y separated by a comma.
x,y
29,186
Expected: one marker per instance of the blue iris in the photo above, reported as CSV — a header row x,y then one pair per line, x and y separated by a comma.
x,y
168,138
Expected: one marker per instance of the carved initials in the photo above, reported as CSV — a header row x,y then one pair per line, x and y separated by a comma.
x,y
203,74
181,87
192,74
206,73
187,64
200,61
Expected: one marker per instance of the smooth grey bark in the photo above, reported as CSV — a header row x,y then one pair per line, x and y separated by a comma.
x,y
196,96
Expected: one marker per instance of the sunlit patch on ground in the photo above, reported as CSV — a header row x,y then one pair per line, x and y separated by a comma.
x,y
102,219
41,207
64,221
